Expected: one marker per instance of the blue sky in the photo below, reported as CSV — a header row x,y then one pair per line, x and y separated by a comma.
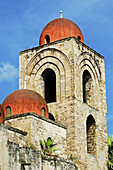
x,y
21,23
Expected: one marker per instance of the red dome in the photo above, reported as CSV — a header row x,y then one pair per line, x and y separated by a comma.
x,y
23,101
58,29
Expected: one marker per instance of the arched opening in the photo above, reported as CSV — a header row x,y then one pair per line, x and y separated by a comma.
x,y
43,112
87,87
79,38
47,39
51,117
1,114
1,117
8,111
90,129
49,78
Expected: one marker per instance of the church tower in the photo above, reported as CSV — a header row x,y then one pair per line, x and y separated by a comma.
x,y
71,77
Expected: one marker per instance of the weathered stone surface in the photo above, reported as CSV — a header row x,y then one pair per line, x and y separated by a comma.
x,y
51,163
39,128
69,59
77,98
14,156
9,158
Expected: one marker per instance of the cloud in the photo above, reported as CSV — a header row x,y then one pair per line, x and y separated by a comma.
x,y
8,72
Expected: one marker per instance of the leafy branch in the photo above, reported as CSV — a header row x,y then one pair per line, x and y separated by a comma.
x,y
47,146
110,152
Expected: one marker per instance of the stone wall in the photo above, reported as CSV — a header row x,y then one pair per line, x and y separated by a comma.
x,y
74,114
13,135
69,59
82,112
9,135
13,156
39,128
16,158
55,163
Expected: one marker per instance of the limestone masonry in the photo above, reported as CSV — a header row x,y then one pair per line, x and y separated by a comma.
x,y
70,76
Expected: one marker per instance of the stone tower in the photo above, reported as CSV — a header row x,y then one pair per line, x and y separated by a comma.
x,y
71,77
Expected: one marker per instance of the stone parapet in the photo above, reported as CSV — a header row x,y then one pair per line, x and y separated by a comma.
x,y
40,128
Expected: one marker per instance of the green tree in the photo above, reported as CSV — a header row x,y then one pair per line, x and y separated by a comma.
x,y
110,152
47,147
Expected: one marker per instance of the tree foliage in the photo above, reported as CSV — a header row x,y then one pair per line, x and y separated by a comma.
x,y
110,152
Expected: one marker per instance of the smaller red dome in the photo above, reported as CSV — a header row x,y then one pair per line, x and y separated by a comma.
x,y
23,101
58,29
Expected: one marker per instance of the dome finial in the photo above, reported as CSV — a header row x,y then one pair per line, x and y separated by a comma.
x,y
60,13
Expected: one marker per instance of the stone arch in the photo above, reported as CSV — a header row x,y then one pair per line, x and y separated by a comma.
x,y
47,52
56,60
85,62
91,135
92,99
86,58
39,83
49,59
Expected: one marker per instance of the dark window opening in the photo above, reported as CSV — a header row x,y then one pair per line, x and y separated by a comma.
x,y
49,85
79,38
51,117
43,112
22,167
90,129
87,80
25,166
47,39
8,111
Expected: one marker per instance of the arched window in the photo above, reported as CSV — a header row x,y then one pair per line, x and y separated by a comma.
x,y
47,39
51,117
8,111
87,87
43,112
90,130
79,38
1,117
49,78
